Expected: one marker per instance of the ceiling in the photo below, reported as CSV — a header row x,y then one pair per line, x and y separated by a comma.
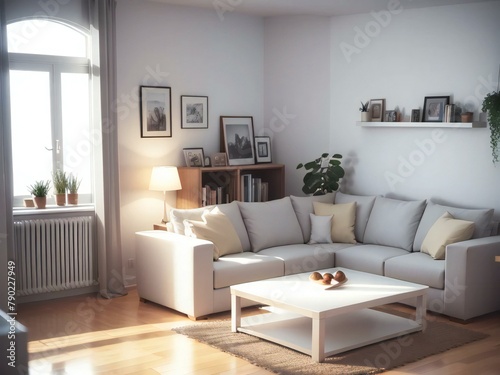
x,y
268,8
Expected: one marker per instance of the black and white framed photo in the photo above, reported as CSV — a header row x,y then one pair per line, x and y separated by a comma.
x,y
194,157
237,139
219,159
434,108
263,149
377,109
415,115
194,112
156,114
390,116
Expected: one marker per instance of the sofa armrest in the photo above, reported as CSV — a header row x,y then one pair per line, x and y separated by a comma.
x,y
175,271
472,278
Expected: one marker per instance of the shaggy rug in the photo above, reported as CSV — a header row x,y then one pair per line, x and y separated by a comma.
x,y
373,359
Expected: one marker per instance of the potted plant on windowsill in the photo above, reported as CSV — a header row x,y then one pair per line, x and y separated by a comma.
x,y
365,114
60,181
323,176
39,190
73,186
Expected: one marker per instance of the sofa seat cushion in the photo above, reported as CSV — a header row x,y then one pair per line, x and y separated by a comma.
x,y
303,207
245,267
394,222
481,217
272,223
301,257
364,205
367,258
417,268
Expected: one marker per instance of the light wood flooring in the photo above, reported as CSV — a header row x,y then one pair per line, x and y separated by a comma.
x,y
90,335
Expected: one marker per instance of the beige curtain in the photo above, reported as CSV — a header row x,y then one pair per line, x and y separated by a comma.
x,y
102,15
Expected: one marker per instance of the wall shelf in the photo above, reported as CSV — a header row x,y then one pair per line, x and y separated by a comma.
x,y
451,125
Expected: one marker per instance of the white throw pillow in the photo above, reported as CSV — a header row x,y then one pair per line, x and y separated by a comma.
x,y
321,229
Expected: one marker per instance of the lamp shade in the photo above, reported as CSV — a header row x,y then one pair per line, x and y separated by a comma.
x,y
165,179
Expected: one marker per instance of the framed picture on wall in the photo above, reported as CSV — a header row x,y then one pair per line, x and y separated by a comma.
x,y
263,149
237,139
377,109
156,114
194,112
434,108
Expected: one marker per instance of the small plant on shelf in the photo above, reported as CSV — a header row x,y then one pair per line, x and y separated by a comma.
x,y
73,186
324,174
39,190
364,107
365,114
60,181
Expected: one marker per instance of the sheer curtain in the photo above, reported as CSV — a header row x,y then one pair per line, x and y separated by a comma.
x,y
6,227
103,22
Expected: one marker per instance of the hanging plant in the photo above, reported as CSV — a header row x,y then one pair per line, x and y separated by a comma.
x,y
323,176
491,105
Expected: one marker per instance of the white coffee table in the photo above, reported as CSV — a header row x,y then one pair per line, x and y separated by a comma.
x,y
321,323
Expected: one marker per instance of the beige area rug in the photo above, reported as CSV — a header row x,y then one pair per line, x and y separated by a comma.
x,y
373,359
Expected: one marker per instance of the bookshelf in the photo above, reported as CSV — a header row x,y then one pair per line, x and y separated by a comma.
x,y
193,179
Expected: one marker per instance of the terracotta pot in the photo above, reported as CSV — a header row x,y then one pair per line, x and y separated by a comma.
x,y
60,199
73,198
40,202
467,117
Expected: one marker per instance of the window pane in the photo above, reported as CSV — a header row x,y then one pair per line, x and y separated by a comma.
x,y
31,128
77,141
45,38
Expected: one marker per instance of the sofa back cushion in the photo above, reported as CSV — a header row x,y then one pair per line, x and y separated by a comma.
x,y
394,222
364,205
231,210
482,219
303,207
271,223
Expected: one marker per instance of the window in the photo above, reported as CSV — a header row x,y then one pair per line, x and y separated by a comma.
x,y
50,104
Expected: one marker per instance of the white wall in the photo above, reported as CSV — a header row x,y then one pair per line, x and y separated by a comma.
x,y
194,52
448,50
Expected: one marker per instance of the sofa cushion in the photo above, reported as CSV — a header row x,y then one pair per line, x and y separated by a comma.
x,y
367,258
231,210
364,205
446,230
301,257
321,229
217,228
272,223
417,268
245,267
393,222
482,219
344,217
303,206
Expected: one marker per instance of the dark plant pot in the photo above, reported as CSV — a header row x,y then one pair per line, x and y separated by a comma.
x,y
40,202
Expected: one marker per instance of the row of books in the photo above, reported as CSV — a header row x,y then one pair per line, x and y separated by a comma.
x,y
213,195
254,189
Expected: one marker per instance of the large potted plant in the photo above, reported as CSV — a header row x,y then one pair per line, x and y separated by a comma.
x,y
323,174
60,181
491,105
73,186
39,190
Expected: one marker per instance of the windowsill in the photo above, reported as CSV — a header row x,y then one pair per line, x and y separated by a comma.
x,y
52,209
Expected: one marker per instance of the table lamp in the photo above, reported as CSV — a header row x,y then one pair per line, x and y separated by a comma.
x,y
165,179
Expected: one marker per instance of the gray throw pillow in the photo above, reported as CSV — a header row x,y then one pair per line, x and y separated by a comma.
x,y
303,207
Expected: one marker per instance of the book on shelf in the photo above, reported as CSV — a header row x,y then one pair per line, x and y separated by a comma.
x,y
246,187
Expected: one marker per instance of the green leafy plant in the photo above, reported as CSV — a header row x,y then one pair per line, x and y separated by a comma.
x,y
73,184
39,188
323,174
364,107
491,105
60,181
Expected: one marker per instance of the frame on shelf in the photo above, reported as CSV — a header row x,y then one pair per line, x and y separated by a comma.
x,y
263,149
194,112
377,109
194,157
434,108
237,142
156,114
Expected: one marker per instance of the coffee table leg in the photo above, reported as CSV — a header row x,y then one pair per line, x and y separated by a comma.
x,y
318,340
421,310
235,313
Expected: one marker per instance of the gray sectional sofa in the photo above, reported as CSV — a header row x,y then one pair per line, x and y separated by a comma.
x,y
374,234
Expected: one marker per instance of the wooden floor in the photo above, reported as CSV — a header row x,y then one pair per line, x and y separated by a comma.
x,y
91,335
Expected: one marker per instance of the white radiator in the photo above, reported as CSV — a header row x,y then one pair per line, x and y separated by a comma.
x,y
54,254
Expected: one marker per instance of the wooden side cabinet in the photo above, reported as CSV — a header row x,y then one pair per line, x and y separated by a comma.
x,y
228,181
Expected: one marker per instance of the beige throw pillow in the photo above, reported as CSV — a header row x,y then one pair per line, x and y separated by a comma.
x,y
446,230
215,227
344,218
